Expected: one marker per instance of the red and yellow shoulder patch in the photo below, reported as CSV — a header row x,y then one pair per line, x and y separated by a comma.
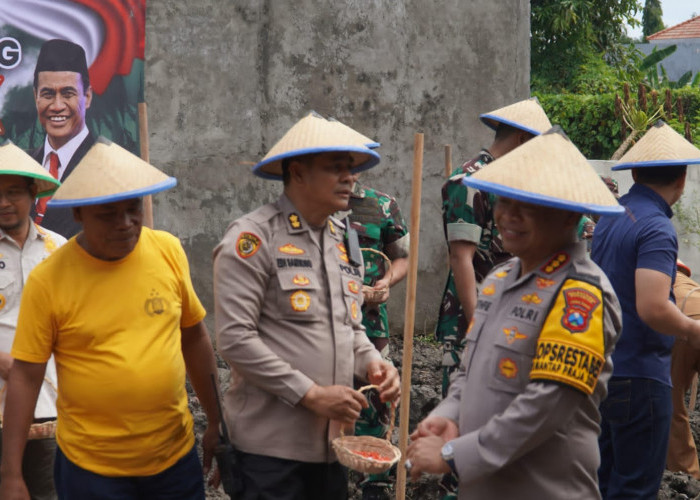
x,y
247,245
571,346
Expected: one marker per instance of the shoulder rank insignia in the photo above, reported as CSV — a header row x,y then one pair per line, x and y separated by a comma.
x,y
290,249
294,221
508,368
513,334
343,252
501,274
555,262
489,290
331,226
532,298
247,244
300,279
300,301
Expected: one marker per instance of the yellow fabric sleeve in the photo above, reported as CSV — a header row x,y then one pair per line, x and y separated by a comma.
x,y
571,346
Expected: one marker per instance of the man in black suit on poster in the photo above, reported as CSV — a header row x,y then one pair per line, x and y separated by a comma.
x,y
62,94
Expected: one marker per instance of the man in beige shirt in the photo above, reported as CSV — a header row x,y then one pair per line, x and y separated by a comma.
x,y
288,295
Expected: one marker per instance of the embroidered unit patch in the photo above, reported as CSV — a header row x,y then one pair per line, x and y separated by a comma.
x,y
543,283
513,334
532,298
489,290
300,279
508,368
247,244
353,286
300,301
571,345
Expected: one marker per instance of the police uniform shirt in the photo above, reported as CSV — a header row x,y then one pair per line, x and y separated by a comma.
x,y
534,371
287,316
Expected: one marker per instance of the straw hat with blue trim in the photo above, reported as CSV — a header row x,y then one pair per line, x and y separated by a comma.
x,y
14,161
661,146
548,170
525,115
316,134
109,173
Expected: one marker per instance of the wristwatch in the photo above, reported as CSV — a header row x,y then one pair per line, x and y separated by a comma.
x,y
448,455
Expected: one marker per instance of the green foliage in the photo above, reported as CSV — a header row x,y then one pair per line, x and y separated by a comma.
x,y
591,124
652,18
569,37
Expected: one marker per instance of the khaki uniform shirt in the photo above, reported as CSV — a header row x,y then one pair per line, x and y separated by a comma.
x,y
15,265
534,370
287,316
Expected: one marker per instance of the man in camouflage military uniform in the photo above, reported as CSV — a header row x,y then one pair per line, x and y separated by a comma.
x,y
473,240
380,226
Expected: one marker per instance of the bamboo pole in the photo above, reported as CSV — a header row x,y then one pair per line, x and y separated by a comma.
x,y
143,139
448,161
409,318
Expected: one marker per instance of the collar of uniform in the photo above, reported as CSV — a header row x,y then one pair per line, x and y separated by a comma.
x,y
293,220
643,190
35,232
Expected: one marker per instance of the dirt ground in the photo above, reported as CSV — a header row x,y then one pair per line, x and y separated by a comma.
x,y
425,387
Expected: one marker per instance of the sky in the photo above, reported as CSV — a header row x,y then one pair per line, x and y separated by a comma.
x,y
674,12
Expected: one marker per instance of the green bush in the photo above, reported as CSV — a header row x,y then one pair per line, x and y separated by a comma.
x,y
590,121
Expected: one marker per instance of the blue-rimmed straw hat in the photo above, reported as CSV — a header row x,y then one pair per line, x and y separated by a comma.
x,y
661,146
316,134
547,170
109,173
525,115
14,161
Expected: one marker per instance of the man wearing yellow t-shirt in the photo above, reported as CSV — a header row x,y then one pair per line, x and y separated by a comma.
x,y
116,308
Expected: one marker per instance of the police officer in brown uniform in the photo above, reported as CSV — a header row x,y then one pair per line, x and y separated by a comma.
x,y
685,365
520,420
288,319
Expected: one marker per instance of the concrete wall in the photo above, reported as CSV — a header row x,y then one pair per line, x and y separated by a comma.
x,y
685,58
225,79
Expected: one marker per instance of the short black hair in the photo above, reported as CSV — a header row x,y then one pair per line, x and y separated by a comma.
x,y
503,130
659,176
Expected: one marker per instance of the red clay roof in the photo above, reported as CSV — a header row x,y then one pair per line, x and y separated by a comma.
x,y
686,29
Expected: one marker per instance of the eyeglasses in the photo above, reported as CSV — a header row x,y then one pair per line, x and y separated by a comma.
x,y
14,195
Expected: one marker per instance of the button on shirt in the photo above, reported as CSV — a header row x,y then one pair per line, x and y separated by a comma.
x,y
15,265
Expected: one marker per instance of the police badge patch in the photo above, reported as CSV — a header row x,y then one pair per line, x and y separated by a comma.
x,y
247,244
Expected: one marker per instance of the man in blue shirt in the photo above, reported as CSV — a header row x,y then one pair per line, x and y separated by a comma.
x,y
638,253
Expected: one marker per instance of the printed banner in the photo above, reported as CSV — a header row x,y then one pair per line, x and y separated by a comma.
x,y
112,33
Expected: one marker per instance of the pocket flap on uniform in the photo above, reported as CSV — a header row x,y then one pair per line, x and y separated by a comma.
x,y
6,279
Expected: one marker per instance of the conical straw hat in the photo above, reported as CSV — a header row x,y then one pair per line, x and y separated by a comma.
x,y
526,115
315,134
661,146
109,173
14,161
366,141
547,170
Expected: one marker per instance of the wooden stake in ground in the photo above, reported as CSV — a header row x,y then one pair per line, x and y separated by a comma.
x,y
448,161
143,139
409,318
